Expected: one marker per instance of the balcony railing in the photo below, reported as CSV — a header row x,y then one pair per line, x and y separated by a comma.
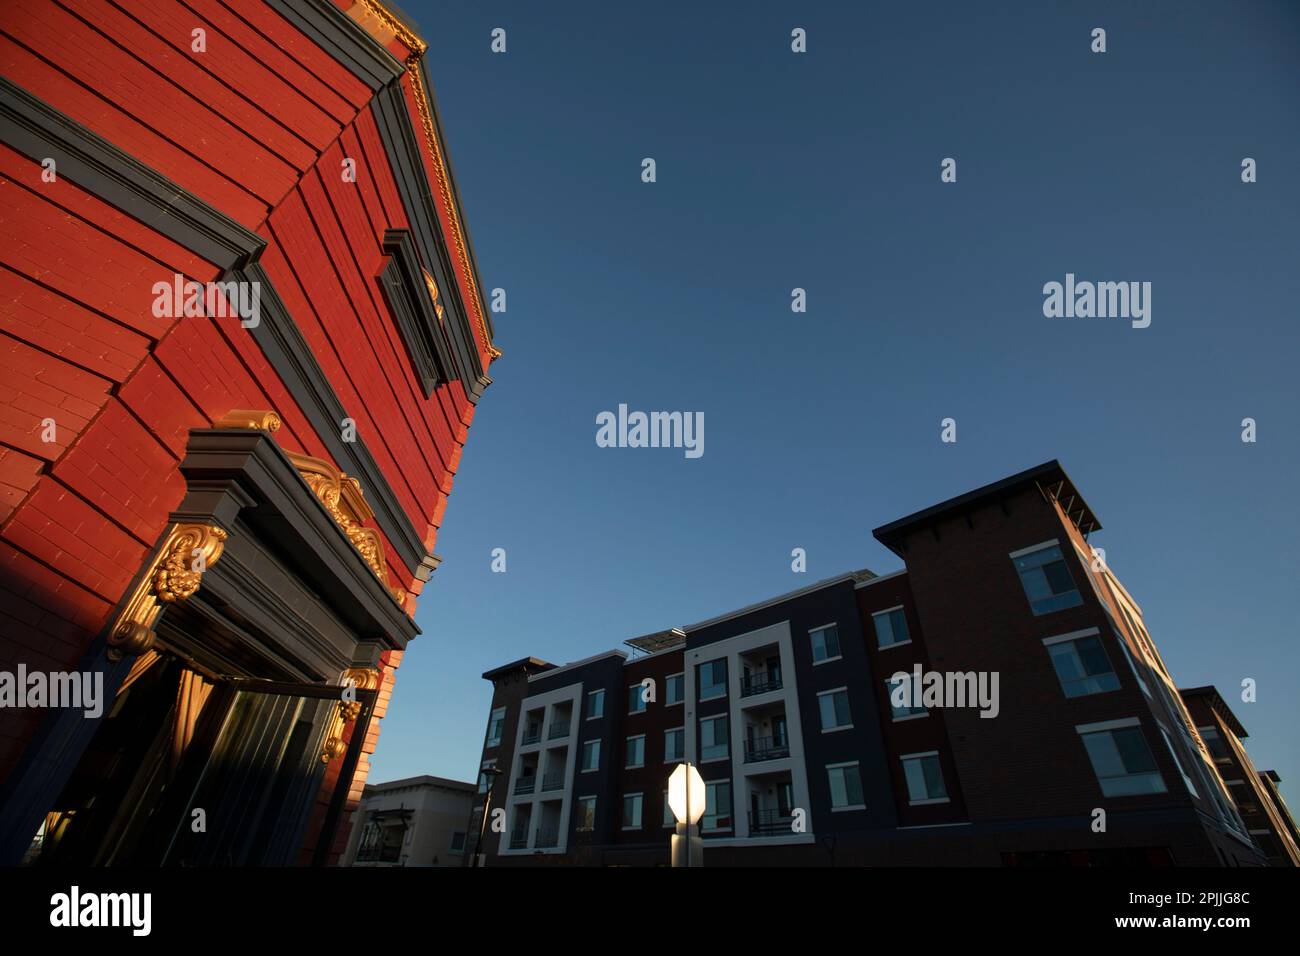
x,y
760,682
766,748
519,839
559,730
532,735
547,838
770,823
553,781
526,785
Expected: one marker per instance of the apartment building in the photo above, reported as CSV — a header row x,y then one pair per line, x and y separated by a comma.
x,y
794,711
1254,793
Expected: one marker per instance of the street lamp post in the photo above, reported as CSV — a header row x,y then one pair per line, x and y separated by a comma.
x,y
491,774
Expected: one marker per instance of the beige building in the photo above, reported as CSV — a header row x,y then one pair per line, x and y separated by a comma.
x,y
419,821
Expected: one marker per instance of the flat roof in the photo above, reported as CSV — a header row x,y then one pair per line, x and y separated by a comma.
x,y
1049,476
422,781
526,663
862,574
1217,704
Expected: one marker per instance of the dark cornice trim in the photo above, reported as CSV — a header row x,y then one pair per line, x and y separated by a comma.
x,y
240,473
371,62
289,354
413,307
39,131
436,114
343,38
407,162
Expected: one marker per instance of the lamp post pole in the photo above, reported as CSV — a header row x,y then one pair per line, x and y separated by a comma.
x,y
491,773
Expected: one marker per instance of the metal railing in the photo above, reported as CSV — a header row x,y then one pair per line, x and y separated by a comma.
x,y
766,748
553,781
770,823
760,682
526,784
519,840
532,736
559,730
547,838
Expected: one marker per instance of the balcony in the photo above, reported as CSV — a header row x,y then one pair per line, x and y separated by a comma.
x,y
547,838
760,682
766,748
559,729
532,735
519,840
770,823
525,785
553,781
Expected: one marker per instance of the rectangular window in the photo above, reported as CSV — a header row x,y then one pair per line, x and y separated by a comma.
x,y
1132,664
1191,787
591,755
717,806
457,841
834,705
636,699
674,745
669,819
636,751
924,779
825,644
713,738
1046,579
586,813
1214,743
674,689
891,627
1082,665
496,725
1121,758
632,811
713,680
846,786
902,689
595,704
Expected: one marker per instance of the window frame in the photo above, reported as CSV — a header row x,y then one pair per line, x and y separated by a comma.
x,y
812,643
847,706
928,800
628,752
902,610
841,767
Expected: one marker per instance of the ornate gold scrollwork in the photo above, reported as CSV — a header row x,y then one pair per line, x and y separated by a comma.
x,y
174,575
339,493
342,497
362,678
433,291
249,418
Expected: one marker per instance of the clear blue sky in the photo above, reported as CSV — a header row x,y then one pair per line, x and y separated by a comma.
x,y
821,171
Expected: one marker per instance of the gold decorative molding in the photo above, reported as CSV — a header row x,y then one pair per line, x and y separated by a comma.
x,y
248,418
342,497
174,575
361,678
371,13
433,291
339,493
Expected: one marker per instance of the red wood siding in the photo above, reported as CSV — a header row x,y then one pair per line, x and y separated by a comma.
x,y
257,126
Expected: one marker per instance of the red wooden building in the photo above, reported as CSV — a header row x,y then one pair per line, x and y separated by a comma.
x,y
243,337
